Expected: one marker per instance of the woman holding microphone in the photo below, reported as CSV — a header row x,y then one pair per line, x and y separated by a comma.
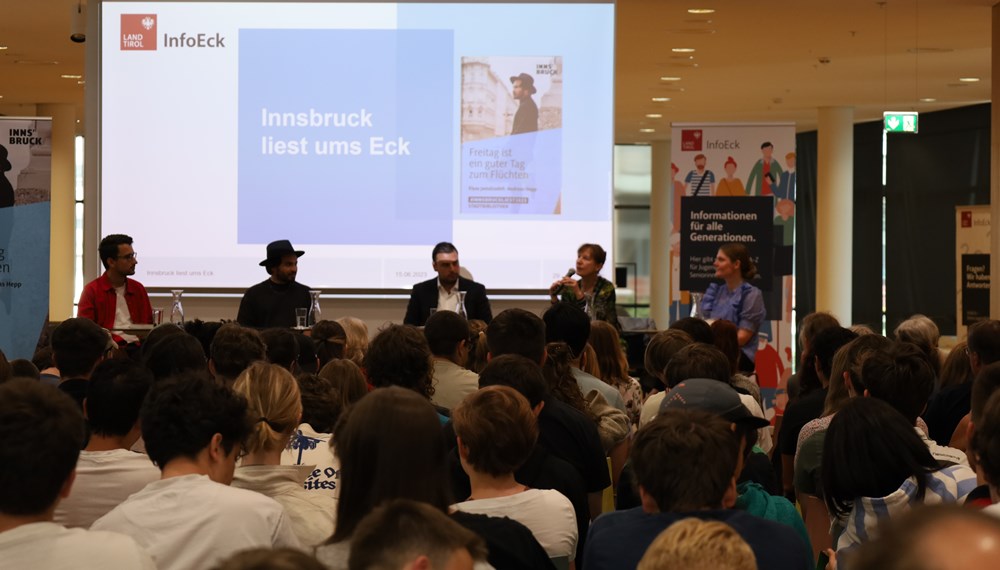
x,y
736,300
591,292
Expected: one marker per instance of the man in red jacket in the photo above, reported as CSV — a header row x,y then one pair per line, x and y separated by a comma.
x,y
113,300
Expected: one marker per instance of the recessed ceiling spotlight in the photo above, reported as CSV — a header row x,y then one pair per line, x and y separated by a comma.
x,y
669,78
81,82
701,11
929,50
682,50
3,48
968,79
927,99
660,99
647,130
654,116
70,76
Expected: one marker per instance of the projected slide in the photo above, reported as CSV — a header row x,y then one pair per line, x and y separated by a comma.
x,y
362,133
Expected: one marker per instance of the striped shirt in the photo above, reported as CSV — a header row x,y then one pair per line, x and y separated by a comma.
x,y
948,485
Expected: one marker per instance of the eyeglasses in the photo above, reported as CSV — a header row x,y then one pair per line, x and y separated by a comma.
x,y
129,256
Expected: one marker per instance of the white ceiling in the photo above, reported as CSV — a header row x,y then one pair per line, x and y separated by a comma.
x,y
753,60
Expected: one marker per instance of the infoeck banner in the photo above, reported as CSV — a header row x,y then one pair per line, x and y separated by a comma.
x,y
25,192
736,183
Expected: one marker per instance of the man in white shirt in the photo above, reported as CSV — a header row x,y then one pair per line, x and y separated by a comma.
x,y
448,336
42,431
191,519
108,471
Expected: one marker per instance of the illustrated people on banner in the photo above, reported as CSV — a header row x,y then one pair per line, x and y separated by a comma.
x,y
678,188
785,220
765,172
6,188
700,182
730,185
786,182
526,117
767,364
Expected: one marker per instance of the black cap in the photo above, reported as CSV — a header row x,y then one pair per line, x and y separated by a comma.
x,y
711,396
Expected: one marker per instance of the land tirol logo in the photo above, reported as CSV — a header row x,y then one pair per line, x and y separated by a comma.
x,y
138,32
690,139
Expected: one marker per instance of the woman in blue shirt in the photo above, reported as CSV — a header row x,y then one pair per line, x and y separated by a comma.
x,y
736,300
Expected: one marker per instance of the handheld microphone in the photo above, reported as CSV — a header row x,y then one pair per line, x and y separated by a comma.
x,y
570,273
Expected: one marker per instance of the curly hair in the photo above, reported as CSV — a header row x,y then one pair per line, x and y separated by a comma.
x,y
399,356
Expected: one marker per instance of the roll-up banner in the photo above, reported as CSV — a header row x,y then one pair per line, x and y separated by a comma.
x,y
972,266
736,183
25,193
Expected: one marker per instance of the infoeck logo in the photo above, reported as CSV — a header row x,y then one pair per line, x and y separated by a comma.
x,y
138,32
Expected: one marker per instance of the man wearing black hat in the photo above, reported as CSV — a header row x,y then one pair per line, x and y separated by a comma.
x,y
272,303
526,117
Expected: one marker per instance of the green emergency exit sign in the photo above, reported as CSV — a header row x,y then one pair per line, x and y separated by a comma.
x,y
899,122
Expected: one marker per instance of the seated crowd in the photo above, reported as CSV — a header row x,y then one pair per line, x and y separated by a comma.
x,y
523,443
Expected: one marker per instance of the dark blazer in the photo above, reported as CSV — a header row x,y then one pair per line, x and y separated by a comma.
x,y
424,297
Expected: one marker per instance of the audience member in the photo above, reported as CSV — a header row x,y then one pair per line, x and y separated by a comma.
x,y
274,400
951,403
77,346
661,348
107,471
496,432
281,348
612,365
448,337
845,373
902,377
399,356
986,445
331,340
357,339
347,379
308,361
755,482
477,352
694,544
204,332
934,537
42,359
402,534
42,431
268,559
725,338
543,469
567,323
956,368
234,348
697,329
176,354
114,301
390,446
157,335
272,302
310,442
921,332
686,465
21,368
700,360
191,519
986,384
875,467
810,404
811,325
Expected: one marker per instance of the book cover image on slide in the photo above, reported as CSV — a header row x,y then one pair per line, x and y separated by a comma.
x,y
511,135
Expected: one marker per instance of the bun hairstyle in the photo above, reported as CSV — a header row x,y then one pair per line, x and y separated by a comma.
x,y
274,402
739,252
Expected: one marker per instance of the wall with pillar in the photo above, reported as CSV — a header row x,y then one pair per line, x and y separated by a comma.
x,y
659,235
835,211
61,259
